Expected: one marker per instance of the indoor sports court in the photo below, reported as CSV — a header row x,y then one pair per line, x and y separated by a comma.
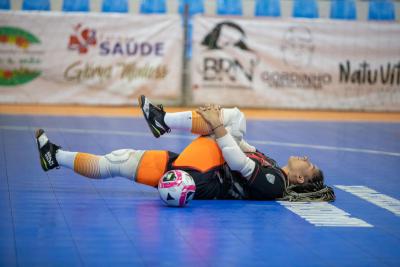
x,y
315,78
62,219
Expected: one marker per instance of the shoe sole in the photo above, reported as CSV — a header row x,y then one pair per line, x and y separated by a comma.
x,y
43,163
154,130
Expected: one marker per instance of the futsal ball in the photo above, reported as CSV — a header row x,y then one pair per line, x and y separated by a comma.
x,y
176,188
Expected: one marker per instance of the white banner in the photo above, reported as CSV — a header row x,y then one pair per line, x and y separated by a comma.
x,y
51,57
292,63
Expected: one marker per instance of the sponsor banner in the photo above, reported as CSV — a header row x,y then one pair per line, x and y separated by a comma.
x,y
288,63
89,58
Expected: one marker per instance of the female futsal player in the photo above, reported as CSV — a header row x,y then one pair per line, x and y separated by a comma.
x,y
222,163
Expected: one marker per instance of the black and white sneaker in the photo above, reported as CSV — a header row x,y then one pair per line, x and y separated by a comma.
x,y
154,116
47,151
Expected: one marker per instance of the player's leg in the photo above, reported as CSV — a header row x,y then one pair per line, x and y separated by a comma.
x,y
141,166
160,121
233,119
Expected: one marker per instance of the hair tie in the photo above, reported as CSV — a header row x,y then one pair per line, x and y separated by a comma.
x,y
217,127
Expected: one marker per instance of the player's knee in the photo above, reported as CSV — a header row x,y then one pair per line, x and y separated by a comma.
x,y
122,162
238,124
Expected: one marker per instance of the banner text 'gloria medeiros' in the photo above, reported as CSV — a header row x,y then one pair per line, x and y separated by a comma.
x,y
80,71
296,80
388,74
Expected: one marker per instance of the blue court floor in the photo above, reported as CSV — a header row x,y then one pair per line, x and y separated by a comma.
x,y
61,219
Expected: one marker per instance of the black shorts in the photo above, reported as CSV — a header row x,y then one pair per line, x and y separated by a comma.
x,y
209,185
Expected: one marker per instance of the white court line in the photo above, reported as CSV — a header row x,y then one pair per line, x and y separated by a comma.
x,y
177,136
381,200
324,214
335,148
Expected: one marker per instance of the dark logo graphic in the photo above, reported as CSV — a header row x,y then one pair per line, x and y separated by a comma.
x,y
81,39
298,47
217,40
230,57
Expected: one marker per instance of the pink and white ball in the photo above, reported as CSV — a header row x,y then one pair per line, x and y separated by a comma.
x,y
176,188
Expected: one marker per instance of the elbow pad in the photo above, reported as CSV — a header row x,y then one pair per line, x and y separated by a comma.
x,y
234,156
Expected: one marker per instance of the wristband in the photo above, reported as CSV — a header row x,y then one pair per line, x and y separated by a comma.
x,y
213,129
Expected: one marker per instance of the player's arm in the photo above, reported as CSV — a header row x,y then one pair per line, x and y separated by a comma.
x,y
234,156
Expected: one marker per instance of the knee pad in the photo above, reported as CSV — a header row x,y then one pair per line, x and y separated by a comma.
x,y
235,123
122,162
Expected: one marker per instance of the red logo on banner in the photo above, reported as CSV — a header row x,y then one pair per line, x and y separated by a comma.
x,y
82,39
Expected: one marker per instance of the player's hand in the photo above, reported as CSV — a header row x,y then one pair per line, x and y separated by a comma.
x,y
211,114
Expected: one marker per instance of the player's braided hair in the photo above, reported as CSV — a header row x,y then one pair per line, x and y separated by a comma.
x,y
314,190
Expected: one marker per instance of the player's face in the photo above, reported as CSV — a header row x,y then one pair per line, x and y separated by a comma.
x,y
300,166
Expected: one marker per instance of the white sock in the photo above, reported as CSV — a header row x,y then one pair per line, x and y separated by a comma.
x,y
66,158
179,120
183,120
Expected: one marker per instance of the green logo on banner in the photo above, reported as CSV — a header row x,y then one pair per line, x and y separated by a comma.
x,y
19,61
